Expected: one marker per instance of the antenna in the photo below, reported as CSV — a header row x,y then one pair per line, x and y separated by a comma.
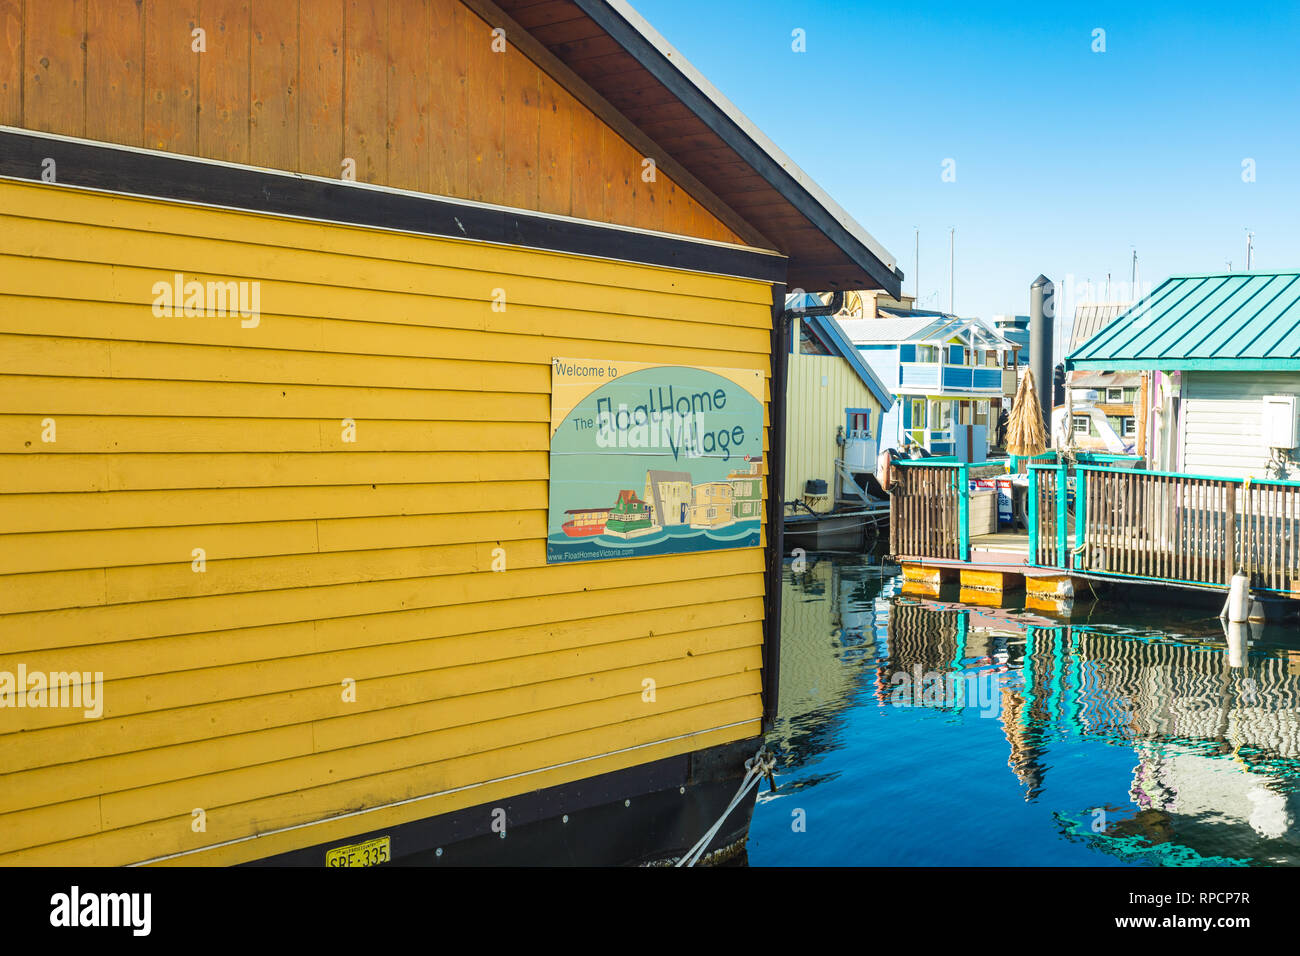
x,y
916,278
952,239
1107,286
1250,248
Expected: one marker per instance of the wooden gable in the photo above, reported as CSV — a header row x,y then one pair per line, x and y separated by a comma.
x,y
413,94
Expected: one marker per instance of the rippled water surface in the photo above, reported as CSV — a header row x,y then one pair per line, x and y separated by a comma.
x,y
922,732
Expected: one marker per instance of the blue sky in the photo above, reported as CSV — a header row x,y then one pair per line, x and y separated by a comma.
x,y
1065,159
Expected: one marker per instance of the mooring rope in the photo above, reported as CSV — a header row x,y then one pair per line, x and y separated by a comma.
x,y
756,768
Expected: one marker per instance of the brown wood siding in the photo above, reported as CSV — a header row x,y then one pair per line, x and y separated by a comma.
x,y
410,91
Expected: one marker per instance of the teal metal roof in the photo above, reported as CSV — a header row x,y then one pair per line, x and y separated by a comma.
x,y
1246,321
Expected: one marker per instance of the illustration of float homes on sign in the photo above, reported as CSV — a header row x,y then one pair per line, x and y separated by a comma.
x,y
653,459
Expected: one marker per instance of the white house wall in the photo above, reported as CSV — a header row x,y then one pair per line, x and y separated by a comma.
x,y
1222,429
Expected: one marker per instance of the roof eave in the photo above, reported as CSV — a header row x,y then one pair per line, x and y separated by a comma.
x,y
1184,364
630,30
849,352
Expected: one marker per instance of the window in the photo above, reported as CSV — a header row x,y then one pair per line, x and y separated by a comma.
x,y
810,342
1115,395
981,413
992,359
940,416
1082,424
918,413
927,353
859,423
1129,425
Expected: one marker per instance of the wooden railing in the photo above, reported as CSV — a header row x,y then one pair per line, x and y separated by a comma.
x,y
928,510
1187,528
1268,534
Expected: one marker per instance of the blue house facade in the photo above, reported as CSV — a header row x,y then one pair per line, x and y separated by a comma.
x,y
950,378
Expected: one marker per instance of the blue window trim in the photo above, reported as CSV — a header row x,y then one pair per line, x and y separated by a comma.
x,y
848,419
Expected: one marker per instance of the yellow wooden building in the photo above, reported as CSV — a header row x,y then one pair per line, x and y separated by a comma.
x,y
277,317
834,408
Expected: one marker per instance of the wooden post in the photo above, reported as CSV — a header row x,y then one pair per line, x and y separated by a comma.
x,y
1080,560
1229,532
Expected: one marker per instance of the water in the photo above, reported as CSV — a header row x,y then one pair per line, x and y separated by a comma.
x,y
919,732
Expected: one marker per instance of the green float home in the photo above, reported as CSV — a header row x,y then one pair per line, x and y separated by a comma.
x,y
629,515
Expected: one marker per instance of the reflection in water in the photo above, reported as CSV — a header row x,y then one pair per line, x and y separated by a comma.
x,y
917,732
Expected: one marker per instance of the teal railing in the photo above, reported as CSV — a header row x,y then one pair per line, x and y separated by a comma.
x,y
1164,526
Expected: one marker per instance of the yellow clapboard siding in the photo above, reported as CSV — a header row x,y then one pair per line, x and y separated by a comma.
x,y
301,806
109,283
87,434
52,395
329,742
38,355
425,675
355,764
124,547
90,739
548,629
264,235
25,828
121,847
47,473
156,582
96,307
118,622
325,557
132,771
148,509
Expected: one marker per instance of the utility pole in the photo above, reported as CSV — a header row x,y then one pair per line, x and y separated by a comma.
x,y
1250,248
1133,288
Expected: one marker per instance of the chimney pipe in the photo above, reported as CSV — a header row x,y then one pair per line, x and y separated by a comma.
x,y
1042,312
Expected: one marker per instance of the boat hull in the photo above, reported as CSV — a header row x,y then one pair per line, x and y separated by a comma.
x,y
828,533
589,531
637,816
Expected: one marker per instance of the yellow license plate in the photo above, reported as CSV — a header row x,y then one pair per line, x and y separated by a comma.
x,y
370,853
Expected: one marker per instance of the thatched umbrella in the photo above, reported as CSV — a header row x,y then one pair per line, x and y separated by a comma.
x,y
1026,435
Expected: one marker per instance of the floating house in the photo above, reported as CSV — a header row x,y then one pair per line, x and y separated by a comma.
x,y
629,517
949,377
299,516
585,521
1227,347
669,492
834,407
711,505
747,491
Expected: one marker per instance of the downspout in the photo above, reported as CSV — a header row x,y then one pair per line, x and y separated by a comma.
x,y
775,510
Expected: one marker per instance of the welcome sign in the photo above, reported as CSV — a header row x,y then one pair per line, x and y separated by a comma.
x,y
653,459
